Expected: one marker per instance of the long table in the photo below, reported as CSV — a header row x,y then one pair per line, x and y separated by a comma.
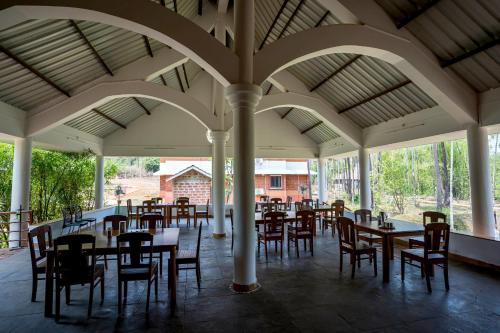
x,y
166,211
164,240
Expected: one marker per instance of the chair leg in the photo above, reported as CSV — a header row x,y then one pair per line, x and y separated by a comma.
x,y
353,264
156,288
34,287
311,246
119,296
125,292
105,262
281,249
375,262
91,299
58,301
265,247
161,263
67,291
402,268
359,261
297,246
198,273
341,260
446,281
258,246
148,295
428,276
288,244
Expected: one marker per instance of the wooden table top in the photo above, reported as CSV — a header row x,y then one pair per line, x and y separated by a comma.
x,y
163,240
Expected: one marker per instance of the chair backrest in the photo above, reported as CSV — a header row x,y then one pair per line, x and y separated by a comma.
x,y
347,236
149,205
362,215
77,210
199,242
337,209
149,221
433,217
208,205
41,238
231,216
114,220
264,198
273,222
289,201
308,202
67,216
304,220
182,199
129,207
268,207
72,254
436,238
158,200
316,203
298,205
138,243
182,206
276,200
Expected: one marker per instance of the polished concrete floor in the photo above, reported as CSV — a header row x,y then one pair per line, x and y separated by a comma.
x,y
306,294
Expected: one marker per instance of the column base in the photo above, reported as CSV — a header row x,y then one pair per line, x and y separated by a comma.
x,y
219,236
245,288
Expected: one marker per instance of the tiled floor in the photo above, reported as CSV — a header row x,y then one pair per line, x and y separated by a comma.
x,y
306,294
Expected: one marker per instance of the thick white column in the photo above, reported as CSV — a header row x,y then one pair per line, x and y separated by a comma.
x,y
99,182
364,179
20,195
243,98
218,140
322,180
483,222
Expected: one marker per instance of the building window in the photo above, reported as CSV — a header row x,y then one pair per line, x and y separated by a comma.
x,y
275,182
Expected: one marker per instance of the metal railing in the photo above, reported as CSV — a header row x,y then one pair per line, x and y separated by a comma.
x,y
24,218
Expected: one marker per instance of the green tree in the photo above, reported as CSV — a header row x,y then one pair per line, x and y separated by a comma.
x,y
152,164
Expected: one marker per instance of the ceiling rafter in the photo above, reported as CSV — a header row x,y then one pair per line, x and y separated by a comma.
x,y
185,75
291,18
105,116
94,50
366,100
175,6
338,70
163,80
179,79
283,5
142,106
200,7
269,89
420,10
286,113
325,15
33,70
310,128
470,53
148,45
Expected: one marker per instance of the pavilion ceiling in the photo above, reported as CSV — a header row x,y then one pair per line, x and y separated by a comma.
x,y
463,34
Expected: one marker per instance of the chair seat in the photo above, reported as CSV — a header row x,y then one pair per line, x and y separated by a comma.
x,y
185,254
270,235
369,237
417,240
41,266
361,247
299,233
417,254
202,212
131,273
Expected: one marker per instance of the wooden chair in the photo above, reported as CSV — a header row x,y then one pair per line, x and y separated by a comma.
x,y
308,202
264,198
331,216
140,246
149,207
273,231
297,205
73,267
150,222
303,229
266,208
365,215
158,200
289,200
115,225
231,216
428,217
68,222
435,252
278,204
131,215
349,245
40,239
202,214
182,205
183,199
190,257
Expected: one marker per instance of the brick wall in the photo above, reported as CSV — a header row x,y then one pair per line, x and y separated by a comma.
x,y
194,185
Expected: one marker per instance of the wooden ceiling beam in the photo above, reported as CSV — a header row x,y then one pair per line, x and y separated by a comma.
x,y
311,127
142,106
105,116
409,18
338,70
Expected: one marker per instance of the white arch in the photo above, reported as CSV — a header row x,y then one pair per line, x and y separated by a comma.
x,y
105,92
143,17
317,107
455,97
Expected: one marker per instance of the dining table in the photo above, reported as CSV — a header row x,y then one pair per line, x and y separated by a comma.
x,y
399,229
164,240
166,211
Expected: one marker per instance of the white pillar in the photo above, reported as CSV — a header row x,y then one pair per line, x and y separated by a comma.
x,y
483,222
364,179
243,98
20,195
218,140
322,196
99,182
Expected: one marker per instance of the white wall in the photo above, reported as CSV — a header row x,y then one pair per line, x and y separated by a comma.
x,y
485,250
172,132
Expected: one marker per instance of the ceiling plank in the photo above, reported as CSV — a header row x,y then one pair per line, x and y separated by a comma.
x,y
338,70
142,106
33,70
283,5
311,127
291,18
105,116
200,7
94,50
366,100
402,23
470,53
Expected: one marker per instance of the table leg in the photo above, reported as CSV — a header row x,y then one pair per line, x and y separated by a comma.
x,y
169,216
386,254
172,277
49,284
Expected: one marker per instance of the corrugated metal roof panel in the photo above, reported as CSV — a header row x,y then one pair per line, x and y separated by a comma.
x,y
172,77
308,15
451,28
363,78
187,8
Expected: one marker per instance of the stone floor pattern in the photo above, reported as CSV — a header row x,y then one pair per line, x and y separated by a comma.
x,y
306,294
